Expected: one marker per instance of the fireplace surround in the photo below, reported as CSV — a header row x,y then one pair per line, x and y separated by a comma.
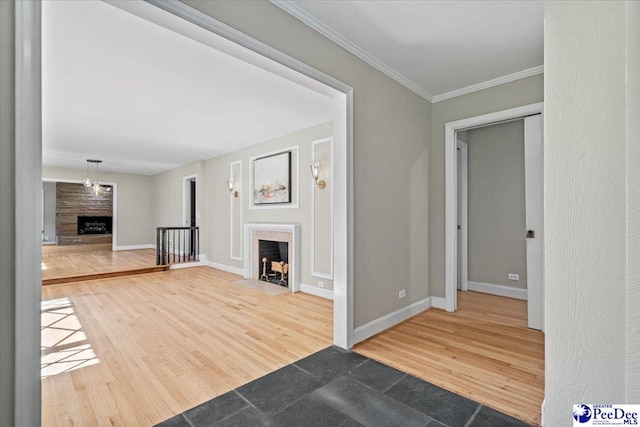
x,y
277,232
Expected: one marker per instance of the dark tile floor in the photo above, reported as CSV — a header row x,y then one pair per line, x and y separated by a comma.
x,y
334,387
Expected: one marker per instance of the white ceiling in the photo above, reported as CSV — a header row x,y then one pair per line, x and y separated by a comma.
x,y
438,49
146,99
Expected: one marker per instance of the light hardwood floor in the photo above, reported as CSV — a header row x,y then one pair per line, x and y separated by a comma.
x,y
483,351
135,350
78,260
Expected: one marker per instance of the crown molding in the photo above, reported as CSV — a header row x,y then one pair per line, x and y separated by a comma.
x,y
490,83
294,10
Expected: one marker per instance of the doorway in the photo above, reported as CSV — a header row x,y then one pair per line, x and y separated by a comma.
x,y
462,151
28,166
189,211
189,198
455,239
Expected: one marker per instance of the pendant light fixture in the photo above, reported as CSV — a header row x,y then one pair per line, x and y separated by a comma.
x,y
87,182
96,182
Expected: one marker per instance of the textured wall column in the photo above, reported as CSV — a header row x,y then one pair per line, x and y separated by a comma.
x,y
585,206
7,217
633,201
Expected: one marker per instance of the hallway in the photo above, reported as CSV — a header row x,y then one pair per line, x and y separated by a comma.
x,y
484,351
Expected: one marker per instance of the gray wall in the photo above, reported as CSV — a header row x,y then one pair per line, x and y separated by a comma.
x,y
496,204
509,95
134,203
585,194
217,198
7,216
167,196
391,140
49,211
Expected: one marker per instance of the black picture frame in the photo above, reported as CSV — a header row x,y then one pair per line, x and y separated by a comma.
x,y
272,179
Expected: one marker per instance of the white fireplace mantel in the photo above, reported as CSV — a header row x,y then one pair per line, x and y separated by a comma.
x,y
294,249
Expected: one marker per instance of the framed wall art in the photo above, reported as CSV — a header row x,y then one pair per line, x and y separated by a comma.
x,y
272,179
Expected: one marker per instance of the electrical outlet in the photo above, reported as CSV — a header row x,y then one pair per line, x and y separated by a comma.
x,y
402,294
321,284
514,276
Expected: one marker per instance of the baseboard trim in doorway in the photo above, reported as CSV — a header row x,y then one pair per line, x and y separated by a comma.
x,y
380,324
500,290
314,290
187,264
134,247
223,267
438,302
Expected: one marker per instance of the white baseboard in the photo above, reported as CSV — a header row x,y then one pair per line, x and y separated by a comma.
x,y
500,290
438,302
180,265
314,290
134,247
385,322
223,267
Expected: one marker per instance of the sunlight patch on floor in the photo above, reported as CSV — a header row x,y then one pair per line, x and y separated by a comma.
x,y
65,346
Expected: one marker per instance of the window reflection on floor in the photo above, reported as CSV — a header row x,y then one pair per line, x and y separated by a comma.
x,y
65,346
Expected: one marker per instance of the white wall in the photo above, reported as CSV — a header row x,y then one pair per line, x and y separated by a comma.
x,y
585,204
134,203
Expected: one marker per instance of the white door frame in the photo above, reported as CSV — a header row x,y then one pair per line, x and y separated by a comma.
x,y
28,175
28,179
450,178
464,253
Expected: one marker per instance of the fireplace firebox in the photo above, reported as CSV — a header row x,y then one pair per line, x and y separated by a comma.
x,y
273,261
94,225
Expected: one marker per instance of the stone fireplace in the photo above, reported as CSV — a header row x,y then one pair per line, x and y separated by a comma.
x,y
278,235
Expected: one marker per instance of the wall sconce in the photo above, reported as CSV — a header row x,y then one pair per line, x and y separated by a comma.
x,y
231,184
315,168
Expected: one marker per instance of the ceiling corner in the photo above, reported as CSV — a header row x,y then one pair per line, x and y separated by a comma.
x,y
294,10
